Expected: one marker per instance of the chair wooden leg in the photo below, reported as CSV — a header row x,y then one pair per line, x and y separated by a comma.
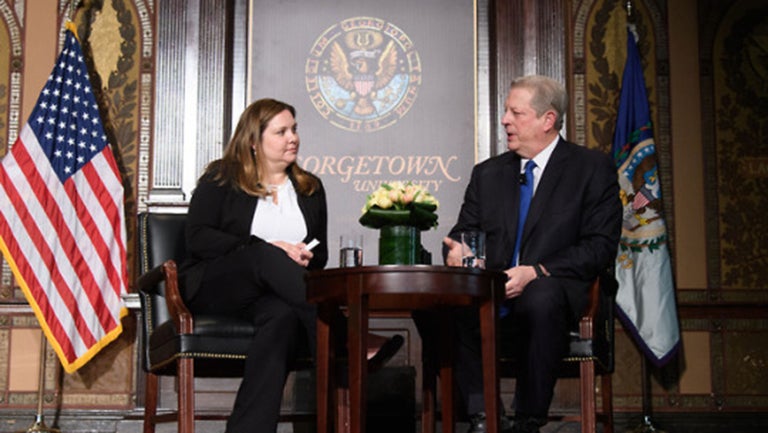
x,y
607,384
150,403
325,385
446,352
342,410
428,387
186,377
446,394
587,387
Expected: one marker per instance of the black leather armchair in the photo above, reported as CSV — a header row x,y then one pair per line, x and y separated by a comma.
x,y
173,342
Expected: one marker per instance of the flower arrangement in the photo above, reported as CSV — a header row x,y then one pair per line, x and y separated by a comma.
x,y
398,203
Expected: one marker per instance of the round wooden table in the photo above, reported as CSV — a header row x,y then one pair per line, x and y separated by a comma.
x,y
371,289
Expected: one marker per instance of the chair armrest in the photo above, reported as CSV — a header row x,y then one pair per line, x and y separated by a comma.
x,y
168,274
586,330
182,318
148,281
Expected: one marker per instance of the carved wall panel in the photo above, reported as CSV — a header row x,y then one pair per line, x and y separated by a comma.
x,y
735,109
734,96
11,60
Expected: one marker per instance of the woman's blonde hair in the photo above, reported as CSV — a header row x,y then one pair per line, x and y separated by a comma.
x,y
242,167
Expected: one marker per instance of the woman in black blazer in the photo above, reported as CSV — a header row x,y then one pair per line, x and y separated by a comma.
x,y
250,221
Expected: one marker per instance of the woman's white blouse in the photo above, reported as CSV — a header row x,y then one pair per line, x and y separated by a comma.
x,y
282,221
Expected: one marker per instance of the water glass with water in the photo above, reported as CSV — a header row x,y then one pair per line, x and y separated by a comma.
x,y
350,250
472,249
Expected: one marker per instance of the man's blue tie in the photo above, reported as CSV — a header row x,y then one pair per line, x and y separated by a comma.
x,y
526,193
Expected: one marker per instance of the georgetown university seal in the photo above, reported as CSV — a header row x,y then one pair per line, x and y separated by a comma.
x,y
363,74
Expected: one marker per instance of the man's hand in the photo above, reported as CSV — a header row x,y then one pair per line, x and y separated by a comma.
x,y
518,279
453,258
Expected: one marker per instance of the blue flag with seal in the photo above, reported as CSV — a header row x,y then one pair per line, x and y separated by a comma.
x,y
646,296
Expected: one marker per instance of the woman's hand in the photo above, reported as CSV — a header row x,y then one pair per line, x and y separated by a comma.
x,y
296,252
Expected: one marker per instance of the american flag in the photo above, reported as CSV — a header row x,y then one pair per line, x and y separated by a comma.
x,y
62,225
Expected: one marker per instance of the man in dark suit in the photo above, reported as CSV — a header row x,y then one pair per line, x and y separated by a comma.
x,y
570,235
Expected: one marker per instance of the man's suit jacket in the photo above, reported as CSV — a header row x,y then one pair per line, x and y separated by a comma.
x,y
219,222
573,224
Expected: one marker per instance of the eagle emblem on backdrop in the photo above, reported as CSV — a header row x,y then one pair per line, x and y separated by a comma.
x,y
363,74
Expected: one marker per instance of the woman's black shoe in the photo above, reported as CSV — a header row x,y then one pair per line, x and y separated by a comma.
x,y
388,348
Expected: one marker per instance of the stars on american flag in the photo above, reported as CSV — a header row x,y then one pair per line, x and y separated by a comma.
x,y
66,117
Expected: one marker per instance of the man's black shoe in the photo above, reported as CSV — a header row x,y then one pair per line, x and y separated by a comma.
x,y
477,424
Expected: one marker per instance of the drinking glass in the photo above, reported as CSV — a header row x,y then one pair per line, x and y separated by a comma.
x,y
472,249
350,250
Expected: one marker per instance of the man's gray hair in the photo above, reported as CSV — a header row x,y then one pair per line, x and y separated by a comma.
x,y
548,94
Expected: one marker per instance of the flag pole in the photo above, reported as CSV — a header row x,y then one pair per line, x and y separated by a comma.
x,y
646,424
39,424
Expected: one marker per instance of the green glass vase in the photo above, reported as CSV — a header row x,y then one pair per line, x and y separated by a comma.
x,y
399,245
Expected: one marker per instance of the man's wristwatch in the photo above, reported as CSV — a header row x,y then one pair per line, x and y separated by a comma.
x,y
539,271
